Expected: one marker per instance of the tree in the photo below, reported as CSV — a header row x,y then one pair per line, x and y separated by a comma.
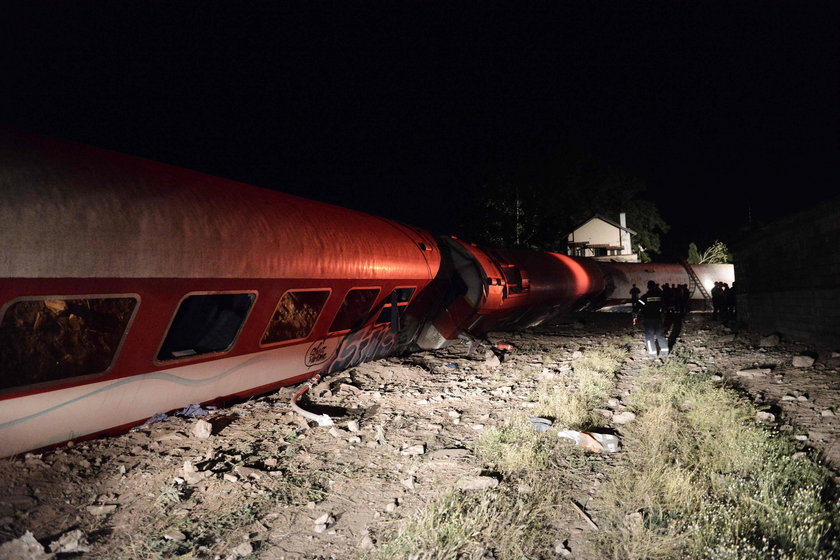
x,y
717,253
536,201
693,254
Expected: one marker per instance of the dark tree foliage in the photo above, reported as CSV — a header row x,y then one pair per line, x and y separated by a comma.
x,y
694,255
717,253
537,201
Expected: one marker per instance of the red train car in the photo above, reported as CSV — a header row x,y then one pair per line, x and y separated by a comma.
x,y
129,287
622,276
499,289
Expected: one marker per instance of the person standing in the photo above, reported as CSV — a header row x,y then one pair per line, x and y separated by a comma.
x,y
718,300
634,297
730,302
651,311
634,301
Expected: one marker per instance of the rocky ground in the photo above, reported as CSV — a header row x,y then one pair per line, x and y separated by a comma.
x,y
255,480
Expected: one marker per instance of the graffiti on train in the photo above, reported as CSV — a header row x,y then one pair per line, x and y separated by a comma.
x,y
370,343
317,353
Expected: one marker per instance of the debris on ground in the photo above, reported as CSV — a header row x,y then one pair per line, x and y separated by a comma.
x,y
265,482
592,441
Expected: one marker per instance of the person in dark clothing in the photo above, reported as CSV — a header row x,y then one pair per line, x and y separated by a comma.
x,y
718,300
685,300
634,297
634,302
730,302
651,311
668,299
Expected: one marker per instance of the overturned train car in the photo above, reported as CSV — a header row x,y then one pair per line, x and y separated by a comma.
x,y
129,287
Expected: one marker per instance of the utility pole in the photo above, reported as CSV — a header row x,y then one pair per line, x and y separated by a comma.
x,y
517,215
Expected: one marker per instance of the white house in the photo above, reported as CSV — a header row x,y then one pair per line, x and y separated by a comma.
x,y
603,240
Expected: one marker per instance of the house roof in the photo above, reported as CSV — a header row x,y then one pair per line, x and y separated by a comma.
x,y
600,217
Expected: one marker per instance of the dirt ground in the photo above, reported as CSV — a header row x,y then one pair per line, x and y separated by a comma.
x,y
264,483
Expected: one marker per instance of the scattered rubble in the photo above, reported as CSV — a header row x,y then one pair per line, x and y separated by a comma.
x,y
257,480
592,441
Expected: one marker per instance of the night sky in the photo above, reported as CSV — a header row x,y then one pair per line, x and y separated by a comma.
x,y
726,110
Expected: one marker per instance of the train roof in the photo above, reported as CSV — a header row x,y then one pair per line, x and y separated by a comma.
x,y
75,211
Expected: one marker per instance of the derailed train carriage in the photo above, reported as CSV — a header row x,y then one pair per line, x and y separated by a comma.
x,y
129,287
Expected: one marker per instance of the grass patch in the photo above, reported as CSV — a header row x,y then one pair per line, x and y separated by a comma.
x,y
501,523
701,479
570,404
517,520
516,446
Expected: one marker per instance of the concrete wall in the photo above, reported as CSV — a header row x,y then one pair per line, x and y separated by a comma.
x,y
623,275
788,276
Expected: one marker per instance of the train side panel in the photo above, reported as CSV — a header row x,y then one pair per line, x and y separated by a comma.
x,y
129,287
622,276
494,289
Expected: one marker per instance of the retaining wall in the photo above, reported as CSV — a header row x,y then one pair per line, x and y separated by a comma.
x,y
788,276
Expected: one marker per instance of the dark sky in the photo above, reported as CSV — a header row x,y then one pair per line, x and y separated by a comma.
x,y
395,107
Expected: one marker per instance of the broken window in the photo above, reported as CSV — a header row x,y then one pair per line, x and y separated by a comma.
x,y
513,279
399,297
205,323
354,308
57,338
295,316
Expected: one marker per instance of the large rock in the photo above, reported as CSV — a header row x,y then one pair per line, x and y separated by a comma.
x,y
202,429
71,542
803,361
491,359
754,372
477,483
418,449
769,341
765,416
623,417
24,548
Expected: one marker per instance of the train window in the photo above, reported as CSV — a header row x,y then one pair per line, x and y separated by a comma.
x,y
205,323
404,294
354,308
57,338
400,296
513,278
295,316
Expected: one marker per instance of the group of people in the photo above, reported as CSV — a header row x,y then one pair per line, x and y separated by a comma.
x,y
675,299
723,301
662,310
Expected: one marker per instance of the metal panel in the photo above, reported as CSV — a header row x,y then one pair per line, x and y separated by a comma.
x,y
75,211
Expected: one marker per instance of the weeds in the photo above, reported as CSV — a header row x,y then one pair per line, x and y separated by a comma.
x,y
702,480
500,523
205,530
572,404
171,494
516,446
516,520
